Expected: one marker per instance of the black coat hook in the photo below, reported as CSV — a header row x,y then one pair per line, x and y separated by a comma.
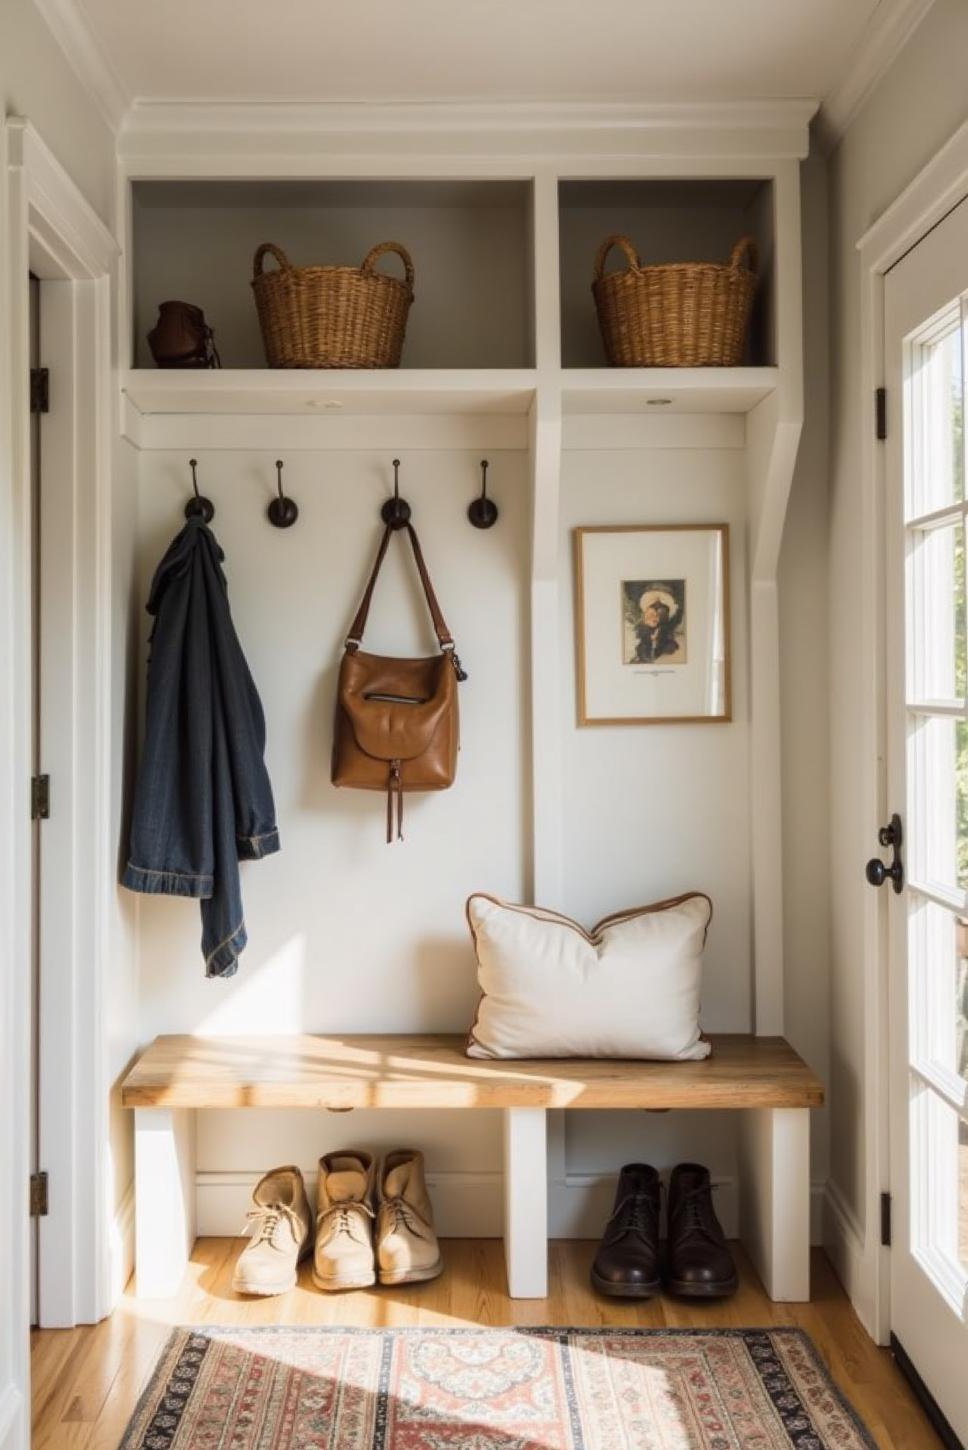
x,y
282,511
198,507
395,513
483,511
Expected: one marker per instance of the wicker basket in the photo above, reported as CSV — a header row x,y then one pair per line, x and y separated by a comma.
x,y
332,317
679,315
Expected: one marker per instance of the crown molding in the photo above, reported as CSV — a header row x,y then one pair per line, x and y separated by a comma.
x,y
885,36
722,129
86,57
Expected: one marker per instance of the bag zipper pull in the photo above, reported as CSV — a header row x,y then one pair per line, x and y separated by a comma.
x,y
459,670
394,784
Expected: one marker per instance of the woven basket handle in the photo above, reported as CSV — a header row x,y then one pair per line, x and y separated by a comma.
x,y
618,240
744,254
375,253
276,252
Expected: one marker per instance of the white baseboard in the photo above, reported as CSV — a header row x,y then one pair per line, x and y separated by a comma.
x,y
843,1240
121,1265
471,1205
13,1430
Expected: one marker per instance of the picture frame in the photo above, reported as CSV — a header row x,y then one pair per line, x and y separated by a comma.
x,y
652,624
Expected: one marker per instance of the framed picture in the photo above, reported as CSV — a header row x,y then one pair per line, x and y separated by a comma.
x,y
652,623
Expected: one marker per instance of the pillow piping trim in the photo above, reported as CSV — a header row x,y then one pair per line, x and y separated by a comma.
x,y
593,939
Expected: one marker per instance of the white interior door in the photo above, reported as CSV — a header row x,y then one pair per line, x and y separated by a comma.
x,y
926,307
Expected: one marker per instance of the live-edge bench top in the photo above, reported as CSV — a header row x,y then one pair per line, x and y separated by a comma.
x,y
431,1071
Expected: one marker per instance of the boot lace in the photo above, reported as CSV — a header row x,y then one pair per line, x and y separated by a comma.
x,y
635,1213
268,1220
344,1218
402,1216
690,1218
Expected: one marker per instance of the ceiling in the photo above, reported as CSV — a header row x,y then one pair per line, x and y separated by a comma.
x,y
433,50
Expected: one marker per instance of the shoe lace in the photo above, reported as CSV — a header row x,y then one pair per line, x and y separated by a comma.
x,y
690,1219
268,1219
344,1218
402,1215
635,1213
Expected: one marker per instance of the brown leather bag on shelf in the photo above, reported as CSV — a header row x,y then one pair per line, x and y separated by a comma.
x,y
181,338
397,725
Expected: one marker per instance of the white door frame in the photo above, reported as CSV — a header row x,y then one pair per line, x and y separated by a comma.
x,y
47,227
931,195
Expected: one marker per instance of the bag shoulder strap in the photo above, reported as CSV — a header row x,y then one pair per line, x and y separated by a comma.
x,y
355,637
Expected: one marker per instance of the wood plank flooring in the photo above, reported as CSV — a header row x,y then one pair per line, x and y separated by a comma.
x,y
86,1381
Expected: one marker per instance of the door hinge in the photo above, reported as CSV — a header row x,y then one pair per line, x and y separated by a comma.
x,y
39,1197
40,390
40,798
880,414
886,1220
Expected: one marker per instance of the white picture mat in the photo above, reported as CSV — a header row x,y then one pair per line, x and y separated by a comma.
x,y
614,690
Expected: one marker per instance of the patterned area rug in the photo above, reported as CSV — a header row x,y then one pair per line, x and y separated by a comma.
x,y
492,1389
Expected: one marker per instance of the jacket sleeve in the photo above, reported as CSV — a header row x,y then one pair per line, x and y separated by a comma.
x,y
171,841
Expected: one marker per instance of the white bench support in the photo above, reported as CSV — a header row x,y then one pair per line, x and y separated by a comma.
x,y
774,1171
164,1158
526,1202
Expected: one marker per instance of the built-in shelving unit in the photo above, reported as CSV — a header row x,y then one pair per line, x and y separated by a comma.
x,y
503,217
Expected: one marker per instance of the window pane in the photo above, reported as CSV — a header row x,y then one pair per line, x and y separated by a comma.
x,y
938,1208
939,476
938,800
936,593
938,975
963,1194
960,1063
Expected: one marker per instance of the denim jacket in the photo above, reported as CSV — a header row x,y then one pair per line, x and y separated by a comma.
x,y
203,801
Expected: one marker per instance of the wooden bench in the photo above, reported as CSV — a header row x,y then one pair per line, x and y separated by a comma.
x,y
763,1076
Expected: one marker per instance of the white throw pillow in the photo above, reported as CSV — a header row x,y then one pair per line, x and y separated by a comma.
x,y
628,989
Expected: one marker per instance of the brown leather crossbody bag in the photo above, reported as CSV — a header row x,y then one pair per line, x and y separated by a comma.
x,y
397,724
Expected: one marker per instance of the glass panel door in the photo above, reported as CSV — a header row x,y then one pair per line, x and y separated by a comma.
x,y
927,688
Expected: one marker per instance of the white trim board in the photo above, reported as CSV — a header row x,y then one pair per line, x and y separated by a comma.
x,y
13,1433
51,229
462,134
843,1241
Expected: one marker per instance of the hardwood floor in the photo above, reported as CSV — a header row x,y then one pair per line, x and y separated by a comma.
x,y
87,1381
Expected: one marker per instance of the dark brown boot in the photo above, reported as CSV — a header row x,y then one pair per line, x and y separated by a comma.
x,y
698,1262
627,1263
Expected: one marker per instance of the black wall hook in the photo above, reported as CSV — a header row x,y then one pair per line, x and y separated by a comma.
x,y
198,507
395,513
282,511
483,511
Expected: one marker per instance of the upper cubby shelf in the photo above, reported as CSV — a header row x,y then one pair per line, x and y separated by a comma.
x,y
264,392
330,393
470,242
692,220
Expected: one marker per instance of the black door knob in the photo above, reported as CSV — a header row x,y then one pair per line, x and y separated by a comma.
x,y
877,871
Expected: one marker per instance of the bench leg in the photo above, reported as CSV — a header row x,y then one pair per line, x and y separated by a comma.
x,y
164,1185
775,1198
526,1202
